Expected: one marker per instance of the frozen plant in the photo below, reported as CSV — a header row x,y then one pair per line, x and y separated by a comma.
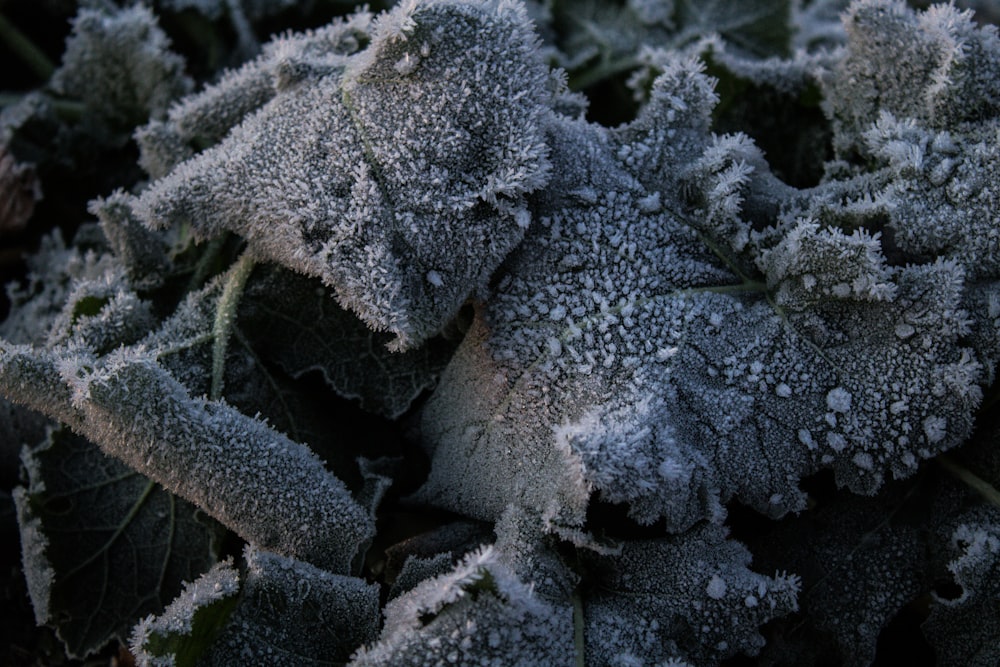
x,y
651,396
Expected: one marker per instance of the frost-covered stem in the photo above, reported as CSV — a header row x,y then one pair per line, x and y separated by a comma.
x,y
971,479
25,49
246,39
225,317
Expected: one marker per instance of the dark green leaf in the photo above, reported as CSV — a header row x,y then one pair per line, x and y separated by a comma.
x,y
760,28
295,322
279,611
115,545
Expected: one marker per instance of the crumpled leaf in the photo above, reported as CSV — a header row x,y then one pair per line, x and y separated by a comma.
x,y
201,120
278,611
935,67
628,317
396,175
104,546
938,198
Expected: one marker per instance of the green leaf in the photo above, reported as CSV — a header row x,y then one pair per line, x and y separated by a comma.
x,y
295,322
279,611
760,28
116,545
192,622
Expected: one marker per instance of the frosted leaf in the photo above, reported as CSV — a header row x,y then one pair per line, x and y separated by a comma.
x,y
291,613
205,118
370,179
432,553
940,197
191,622
204,451
598,39
661,326
416,569
143,253
690,598
936,67
84,515
118,63
101,314
964,630
479,612
818,24
52,274
813,264
277,611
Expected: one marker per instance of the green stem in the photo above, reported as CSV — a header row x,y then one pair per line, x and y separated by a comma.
x,y
225,318
579,643
206,263
25,49
970,479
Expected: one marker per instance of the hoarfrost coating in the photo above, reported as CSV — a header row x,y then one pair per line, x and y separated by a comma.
x,y
607,342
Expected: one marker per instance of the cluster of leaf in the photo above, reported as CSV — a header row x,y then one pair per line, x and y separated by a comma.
x,y
782,272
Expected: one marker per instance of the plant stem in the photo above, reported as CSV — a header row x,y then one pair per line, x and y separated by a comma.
x,y
25,49
225,318
970,479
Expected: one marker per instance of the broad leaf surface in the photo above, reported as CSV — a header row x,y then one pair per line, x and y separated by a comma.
x,y
293,321
396,175
117,546
657,350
